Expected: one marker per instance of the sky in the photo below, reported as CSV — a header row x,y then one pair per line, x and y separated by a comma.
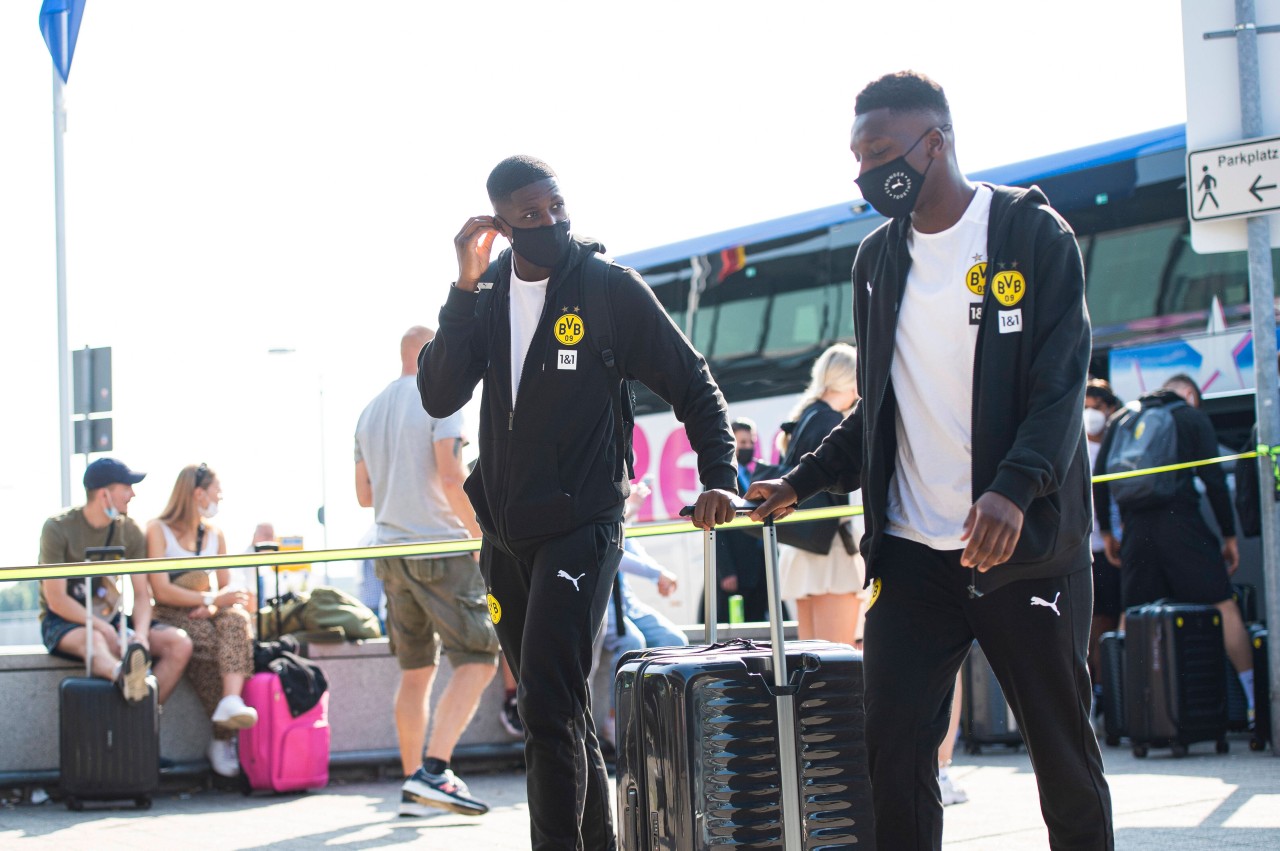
x,y
242,176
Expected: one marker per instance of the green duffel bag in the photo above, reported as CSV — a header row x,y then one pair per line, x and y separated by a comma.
x,y
322,613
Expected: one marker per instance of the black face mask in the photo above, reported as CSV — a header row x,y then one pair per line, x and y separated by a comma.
x,y
746,456
892,189
543,246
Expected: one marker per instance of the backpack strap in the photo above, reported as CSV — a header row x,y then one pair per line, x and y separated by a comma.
x,y
595,281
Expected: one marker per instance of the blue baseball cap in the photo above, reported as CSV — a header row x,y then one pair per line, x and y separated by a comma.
x,y
109,471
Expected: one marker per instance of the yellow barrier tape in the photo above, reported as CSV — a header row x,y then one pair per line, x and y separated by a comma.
x,y
430,548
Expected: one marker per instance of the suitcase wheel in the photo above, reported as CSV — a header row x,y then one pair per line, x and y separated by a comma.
x,y
1256,744
143,802
1179,750
1223,746
1113,741
972,748
1140,751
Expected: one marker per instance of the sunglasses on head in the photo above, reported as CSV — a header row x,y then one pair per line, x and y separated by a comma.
x,y
202,473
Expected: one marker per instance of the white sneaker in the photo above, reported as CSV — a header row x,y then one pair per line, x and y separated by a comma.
x,y
231,713
951,793
223,757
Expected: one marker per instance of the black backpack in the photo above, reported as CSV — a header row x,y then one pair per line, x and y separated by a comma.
x,y
1144,436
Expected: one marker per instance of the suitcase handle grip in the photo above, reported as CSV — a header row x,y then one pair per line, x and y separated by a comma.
x,y
740,506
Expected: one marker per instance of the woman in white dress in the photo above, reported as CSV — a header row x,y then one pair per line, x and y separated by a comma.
x,y
825,586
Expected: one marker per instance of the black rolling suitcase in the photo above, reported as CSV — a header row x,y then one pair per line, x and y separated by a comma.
x,y
1262,734
1111,651
1246,597
109,749
985,716
1174,688
700,761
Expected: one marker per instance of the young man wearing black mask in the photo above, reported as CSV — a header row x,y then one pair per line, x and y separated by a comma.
x,y
553,473
968,445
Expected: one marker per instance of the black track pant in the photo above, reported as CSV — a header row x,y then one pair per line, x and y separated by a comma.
x,y
918,631
550,602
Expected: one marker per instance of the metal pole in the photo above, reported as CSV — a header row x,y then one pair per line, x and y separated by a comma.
x,y
790,809
60,230
1262,310
324,479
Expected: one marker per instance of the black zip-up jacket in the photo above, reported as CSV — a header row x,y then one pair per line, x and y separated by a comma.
x,y
1196,442
1028,388
554,461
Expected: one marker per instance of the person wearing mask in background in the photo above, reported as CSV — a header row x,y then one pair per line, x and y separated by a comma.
x,y
1099,404
208,607
1168,550
555,461
968,445
740,556
103,521
825,586
409,471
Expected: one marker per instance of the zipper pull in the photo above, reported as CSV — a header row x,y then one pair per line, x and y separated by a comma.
x,y
974,593
511,420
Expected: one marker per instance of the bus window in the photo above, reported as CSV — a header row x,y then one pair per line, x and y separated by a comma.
x,y
1125,267
797,322
842,304
738,325
1194,279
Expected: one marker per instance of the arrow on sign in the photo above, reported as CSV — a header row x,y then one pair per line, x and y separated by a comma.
x,y
1255,189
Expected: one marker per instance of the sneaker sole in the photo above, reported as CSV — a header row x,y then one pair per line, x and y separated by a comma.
x,y
442,803
236,722
412,809
134,670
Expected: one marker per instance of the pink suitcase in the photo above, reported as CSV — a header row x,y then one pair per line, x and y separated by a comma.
x,y
280,752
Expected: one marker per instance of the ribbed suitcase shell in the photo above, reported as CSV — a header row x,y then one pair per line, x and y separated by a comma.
x,y
986,718
1174,688
1111,652
698,757
280,752
109,749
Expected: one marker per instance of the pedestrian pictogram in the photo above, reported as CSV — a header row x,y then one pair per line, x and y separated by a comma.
x,y
1234,181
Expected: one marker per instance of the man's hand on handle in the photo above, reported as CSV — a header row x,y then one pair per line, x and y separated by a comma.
x,y
992,530
713,508
474,245
776,498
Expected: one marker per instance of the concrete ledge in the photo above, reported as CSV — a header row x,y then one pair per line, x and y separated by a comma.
x,y
362,682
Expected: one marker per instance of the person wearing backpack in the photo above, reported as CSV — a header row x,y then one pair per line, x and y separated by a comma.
x,y
1168,550
554,331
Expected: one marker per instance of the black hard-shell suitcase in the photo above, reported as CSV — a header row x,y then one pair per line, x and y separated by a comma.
x,y
1262,734
109,749
1174,687
700,760
985,716
1111,652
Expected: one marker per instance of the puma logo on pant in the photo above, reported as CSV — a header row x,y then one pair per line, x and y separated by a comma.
x,y
1037,601
574,580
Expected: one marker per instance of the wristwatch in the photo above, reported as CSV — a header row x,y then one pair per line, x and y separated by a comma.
x,y
207,596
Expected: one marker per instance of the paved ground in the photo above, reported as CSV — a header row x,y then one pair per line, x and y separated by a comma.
x,y
1204,801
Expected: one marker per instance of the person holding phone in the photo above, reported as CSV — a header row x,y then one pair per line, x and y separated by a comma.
x,y
553,329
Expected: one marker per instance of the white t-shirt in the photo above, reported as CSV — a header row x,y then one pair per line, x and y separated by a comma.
x,y
527,299
931,491
396,440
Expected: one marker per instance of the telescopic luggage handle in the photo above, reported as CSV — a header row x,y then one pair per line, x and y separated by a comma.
x,y
93,554
709,583
266,547
783,696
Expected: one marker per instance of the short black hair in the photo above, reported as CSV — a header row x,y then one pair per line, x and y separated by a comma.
x,y
1186,381
1100,389
904,91
514,173
743,424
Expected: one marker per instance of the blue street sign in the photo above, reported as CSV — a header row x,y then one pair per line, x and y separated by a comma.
x,y
60,26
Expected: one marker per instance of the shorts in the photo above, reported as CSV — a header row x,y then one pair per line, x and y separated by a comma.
x,y
1106,587
54,628
437,601
1170,553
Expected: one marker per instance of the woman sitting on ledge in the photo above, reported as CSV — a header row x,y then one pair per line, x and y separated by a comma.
x,y
199,601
